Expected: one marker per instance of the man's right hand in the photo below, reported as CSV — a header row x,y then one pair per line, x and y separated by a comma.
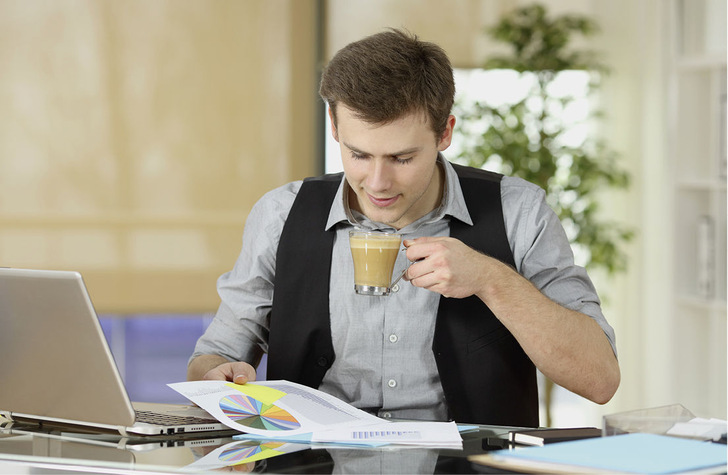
x,y
214,367
238,372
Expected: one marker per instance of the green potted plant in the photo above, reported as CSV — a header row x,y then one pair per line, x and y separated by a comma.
x,y
529,137
526,138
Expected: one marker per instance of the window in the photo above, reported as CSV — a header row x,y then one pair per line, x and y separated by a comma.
x,y
497,87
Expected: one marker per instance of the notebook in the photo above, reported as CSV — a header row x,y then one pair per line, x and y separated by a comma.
x,y
551,435
56,367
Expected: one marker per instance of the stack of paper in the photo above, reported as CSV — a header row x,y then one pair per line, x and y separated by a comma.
x,y
699,428
422,434
287,411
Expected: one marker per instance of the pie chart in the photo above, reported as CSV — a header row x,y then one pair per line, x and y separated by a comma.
x,y
249,451
250,412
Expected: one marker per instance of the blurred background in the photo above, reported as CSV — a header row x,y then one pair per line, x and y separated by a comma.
x,y
135,136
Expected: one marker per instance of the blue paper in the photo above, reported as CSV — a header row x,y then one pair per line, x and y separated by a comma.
x,y
637,453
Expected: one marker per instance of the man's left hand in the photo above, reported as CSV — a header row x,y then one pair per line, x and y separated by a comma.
x,y
445,265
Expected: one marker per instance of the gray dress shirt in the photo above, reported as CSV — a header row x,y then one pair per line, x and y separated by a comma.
x,y
384,361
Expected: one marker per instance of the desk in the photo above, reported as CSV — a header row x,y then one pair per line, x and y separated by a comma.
x,y
29,450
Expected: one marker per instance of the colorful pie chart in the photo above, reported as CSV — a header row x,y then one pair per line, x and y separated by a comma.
x,y
248,452
250,412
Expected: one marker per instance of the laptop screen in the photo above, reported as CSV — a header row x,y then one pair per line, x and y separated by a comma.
x,y
56,362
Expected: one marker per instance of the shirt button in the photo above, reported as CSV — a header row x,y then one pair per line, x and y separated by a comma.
x,y
391,383
393,338
395,288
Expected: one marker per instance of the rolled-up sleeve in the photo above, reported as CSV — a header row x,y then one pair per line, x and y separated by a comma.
x,y
239,331
543,254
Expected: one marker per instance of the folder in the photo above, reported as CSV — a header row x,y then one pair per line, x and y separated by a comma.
x,y
629,453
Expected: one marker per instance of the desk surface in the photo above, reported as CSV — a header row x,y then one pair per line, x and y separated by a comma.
x,y
25,449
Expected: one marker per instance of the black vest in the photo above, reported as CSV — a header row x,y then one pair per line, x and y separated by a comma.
x,y
486,376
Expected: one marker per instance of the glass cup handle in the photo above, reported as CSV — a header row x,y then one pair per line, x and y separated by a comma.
x,y
400,276
404,272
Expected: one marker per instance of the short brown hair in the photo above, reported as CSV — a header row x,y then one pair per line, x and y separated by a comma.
x,y
386,76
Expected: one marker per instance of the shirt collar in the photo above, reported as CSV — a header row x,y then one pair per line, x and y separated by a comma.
x,y
452,205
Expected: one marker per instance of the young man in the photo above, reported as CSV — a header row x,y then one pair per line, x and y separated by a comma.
x,y
493,294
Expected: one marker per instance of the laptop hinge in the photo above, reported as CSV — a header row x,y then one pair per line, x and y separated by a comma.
x,y
57,422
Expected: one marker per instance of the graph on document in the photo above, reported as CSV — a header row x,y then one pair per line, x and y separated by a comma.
x,y
250,412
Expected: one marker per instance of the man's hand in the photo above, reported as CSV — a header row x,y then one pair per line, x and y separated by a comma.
x,y
238,372
567,346
446,266
214,367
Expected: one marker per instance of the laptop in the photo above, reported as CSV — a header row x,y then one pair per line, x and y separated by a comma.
x,y
55,440
56,367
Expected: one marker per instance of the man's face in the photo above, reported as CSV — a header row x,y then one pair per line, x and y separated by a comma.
x,y
391,168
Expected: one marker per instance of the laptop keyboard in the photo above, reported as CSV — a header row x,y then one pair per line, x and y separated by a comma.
x,y
156,418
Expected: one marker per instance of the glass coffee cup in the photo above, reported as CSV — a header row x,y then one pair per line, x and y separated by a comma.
x,y
374,254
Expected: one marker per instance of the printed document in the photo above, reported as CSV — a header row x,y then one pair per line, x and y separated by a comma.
x,y
288,411
273,408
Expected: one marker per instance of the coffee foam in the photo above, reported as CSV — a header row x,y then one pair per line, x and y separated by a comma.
x,y
373,240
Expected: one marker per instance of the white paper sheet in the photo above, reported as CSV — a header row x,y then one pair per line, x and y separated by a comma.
x,y
287,411
421,434
275,409
700,428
